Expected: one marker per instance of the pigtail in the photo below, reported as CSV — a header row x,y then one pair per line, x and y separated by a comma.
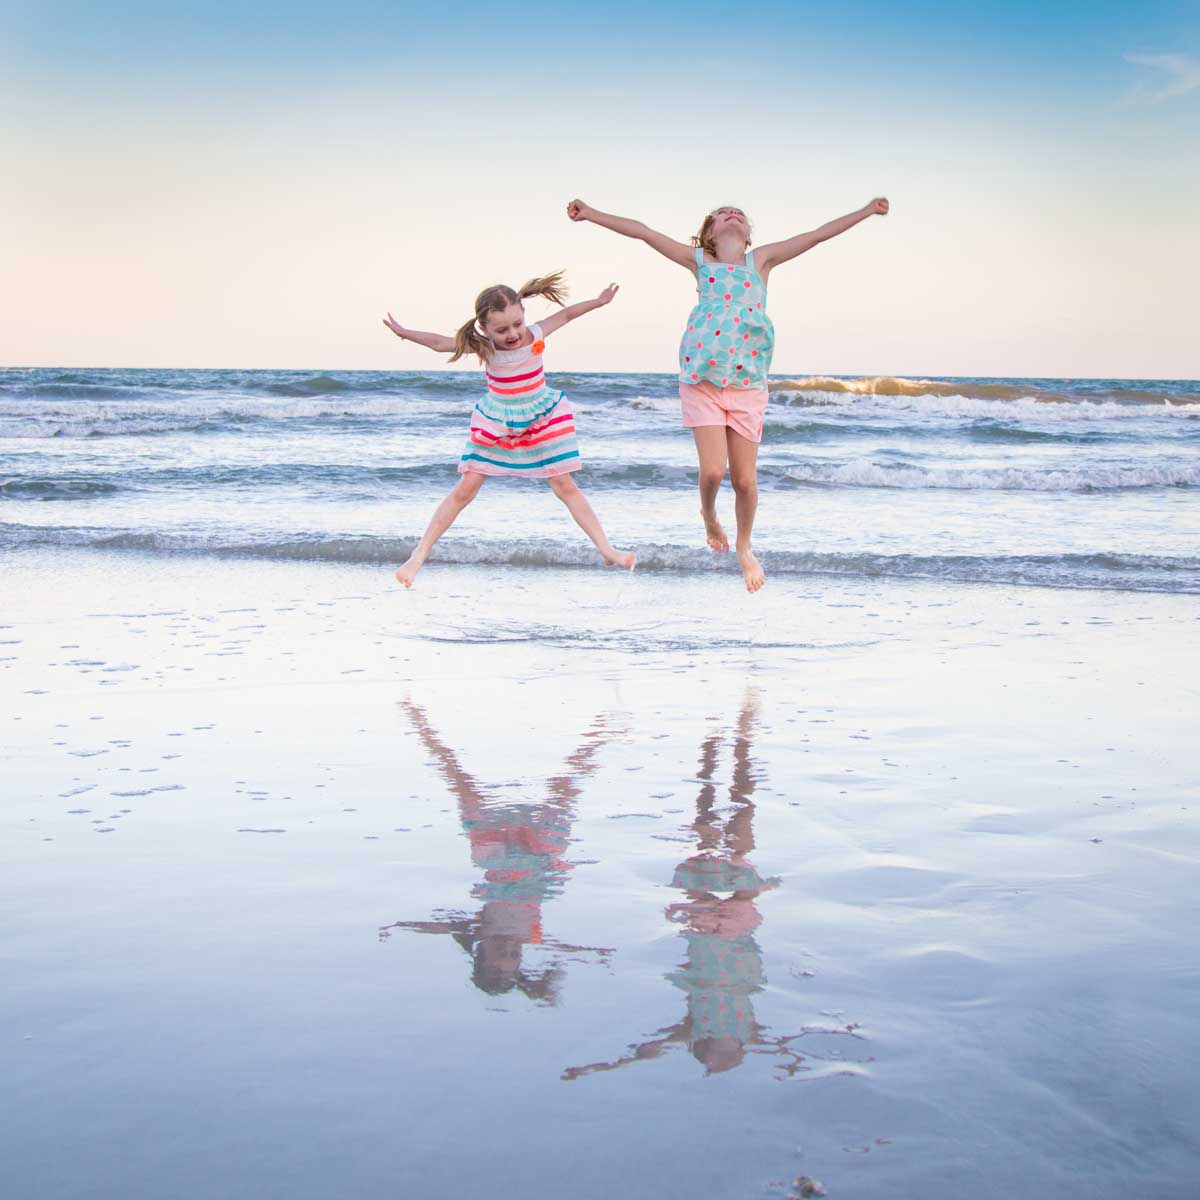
x,y
549,287
468,340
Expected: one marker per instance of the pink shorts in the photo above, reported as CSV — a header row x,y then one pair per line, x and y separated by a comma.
x,y
741,409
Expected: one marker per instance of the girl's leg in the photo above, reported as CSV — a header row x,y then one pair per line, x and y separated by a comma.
x,y
463,492
567,490
712,451
743,474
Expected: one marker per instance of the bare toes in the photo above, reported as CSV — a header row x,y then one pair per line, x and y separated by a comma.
x,y
752,572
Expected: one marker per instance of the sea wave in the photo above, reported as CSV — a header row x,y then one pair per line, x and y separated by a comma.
x,y
1095,477
1007,432
972,408
346,481
61,487
835,423
341,481
313,385
68,387
1123,572
19,419
891,385
32,383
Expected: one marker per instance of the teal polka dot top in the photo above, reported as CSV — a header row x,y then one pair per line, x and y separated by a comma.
x,y
729,338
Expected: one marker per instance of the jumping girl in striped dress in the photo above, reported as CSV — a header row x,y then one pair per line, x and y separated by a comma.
x,y
520,427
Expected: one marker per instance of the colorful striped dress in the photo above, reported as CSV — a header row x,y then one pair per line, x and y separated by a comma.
x,y
520,426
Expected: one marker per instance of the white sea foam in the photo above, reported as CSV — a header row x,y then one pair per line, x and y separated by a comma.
x,y
94,418
960,407
1092,477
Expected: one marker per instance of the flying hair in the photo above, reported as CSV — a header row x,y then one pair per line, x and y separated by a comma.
x,y
470,338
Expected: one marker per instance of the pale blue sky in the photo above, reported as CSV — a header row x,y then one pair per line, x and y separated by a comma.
x,y
228,185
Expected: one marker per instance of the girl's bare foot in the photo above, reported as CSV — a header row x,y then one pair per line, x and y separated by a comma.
x,y
407,573
621,558
751,571
714,534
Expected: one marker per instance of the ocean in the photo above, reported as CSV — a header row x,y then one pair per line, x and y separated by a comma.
x,y
1051,482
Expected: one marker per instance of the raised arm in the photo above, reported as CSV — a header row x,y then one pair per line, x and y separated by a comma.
x,y
558,319
677,252
462,783
766,257
435,341
638,1053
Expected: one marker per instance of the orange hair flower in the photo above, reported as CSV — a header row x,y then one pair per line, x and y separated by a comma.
x,y
538,347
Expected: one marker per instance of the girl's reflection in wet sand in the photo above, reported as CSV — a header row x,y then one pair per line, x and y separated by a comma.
x,y
520,849
723,967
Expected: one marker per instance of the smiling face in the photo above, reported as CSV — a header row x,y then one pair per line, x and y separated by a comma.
x,y
726,221
729,218
506,326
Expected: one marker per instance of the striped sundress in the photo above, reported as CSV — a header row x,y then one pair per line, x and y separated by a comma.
x,y
520,426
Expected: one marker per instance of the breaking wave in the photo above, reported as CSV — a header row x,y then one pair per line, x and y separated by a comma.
x,y
975,389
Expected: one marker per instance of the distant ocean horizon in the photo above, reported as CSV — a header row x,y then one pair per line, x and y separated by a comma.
x,y
915,377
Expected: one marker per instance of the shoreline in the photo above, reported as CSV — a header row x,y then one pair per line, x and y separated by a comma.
x,y
370,551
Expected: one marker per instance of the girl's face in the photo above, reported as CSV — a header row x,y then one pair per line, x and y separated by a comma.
x,y
506,327
729,219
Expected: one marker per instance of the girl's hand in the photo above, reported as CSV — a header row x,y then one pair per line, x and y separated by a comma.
x,y
558,319
395,326
878,207
578,211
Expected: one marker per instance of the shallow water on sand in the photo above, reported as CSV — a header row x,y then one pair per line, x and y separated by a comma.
x,y
518,883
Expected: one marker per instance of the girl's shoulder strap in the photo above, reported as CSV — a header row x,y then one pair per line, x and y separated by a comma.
x,y
750,260
699,257
536,330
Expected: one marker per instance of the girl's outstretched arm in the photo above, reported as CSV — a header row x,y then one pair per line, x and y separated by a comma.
x,y
766,257
677,252
435,341
558,319
649,1049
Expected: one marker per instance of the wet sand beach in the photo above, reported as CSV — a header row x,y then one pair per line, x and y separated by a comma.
x,y
550,882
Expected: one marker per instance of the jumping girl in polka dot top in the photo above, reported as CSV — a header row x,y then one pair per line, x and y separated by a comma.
x,y
725,352
520,427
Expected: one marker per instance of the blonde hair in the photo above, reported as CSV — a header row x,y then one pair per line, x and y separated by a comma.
x,y
470,339
704,240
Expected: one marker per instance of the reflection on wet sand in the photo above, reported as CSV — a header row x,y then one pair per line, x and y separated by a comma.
x,y
722,969
519,848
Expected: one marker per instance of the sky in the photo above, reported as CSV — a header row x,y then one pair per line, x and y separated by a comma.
x,y
256,184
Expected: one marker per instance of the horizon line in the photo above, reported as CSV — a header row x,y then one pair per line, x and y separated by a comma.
x,y
911,375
